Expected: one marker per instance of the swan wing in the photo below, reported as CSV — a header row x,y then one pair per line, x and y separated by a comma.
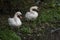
x,y
28,15
35,14
31,15
18,21
11,21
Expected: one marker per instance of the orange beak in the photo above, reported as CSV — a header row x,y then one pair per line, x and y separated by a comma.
x,y
21,17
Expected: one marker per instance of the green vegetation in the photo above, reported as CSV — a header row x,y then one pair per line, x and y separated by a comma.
x,y
6,34
39,29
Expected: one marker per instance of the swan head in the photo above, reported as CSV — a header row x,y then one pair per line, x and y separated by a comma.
x,y
18,14
34,7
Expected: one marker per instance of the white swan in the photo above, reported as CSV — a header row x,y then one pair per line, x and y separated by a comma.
x,y
15,21
32,15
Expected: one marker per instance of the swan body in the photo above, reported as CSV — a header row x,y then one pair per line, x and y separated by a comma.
x,y
32,15
15,21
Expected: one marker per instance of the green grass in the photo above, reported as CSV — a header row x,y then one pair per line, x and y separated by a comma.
x,y
6,34
50,14
49,18
46,20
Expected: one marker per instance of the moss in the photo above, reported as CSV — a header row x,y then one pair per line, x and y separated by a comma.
x,y
8,35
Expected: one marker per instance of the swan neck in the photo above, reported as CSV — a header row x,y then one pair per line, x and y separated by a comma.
x,y
15,15
31,9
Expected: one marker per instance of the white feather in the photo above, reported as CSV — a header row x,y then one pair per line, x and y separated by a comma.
x,y
15,21
32,15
